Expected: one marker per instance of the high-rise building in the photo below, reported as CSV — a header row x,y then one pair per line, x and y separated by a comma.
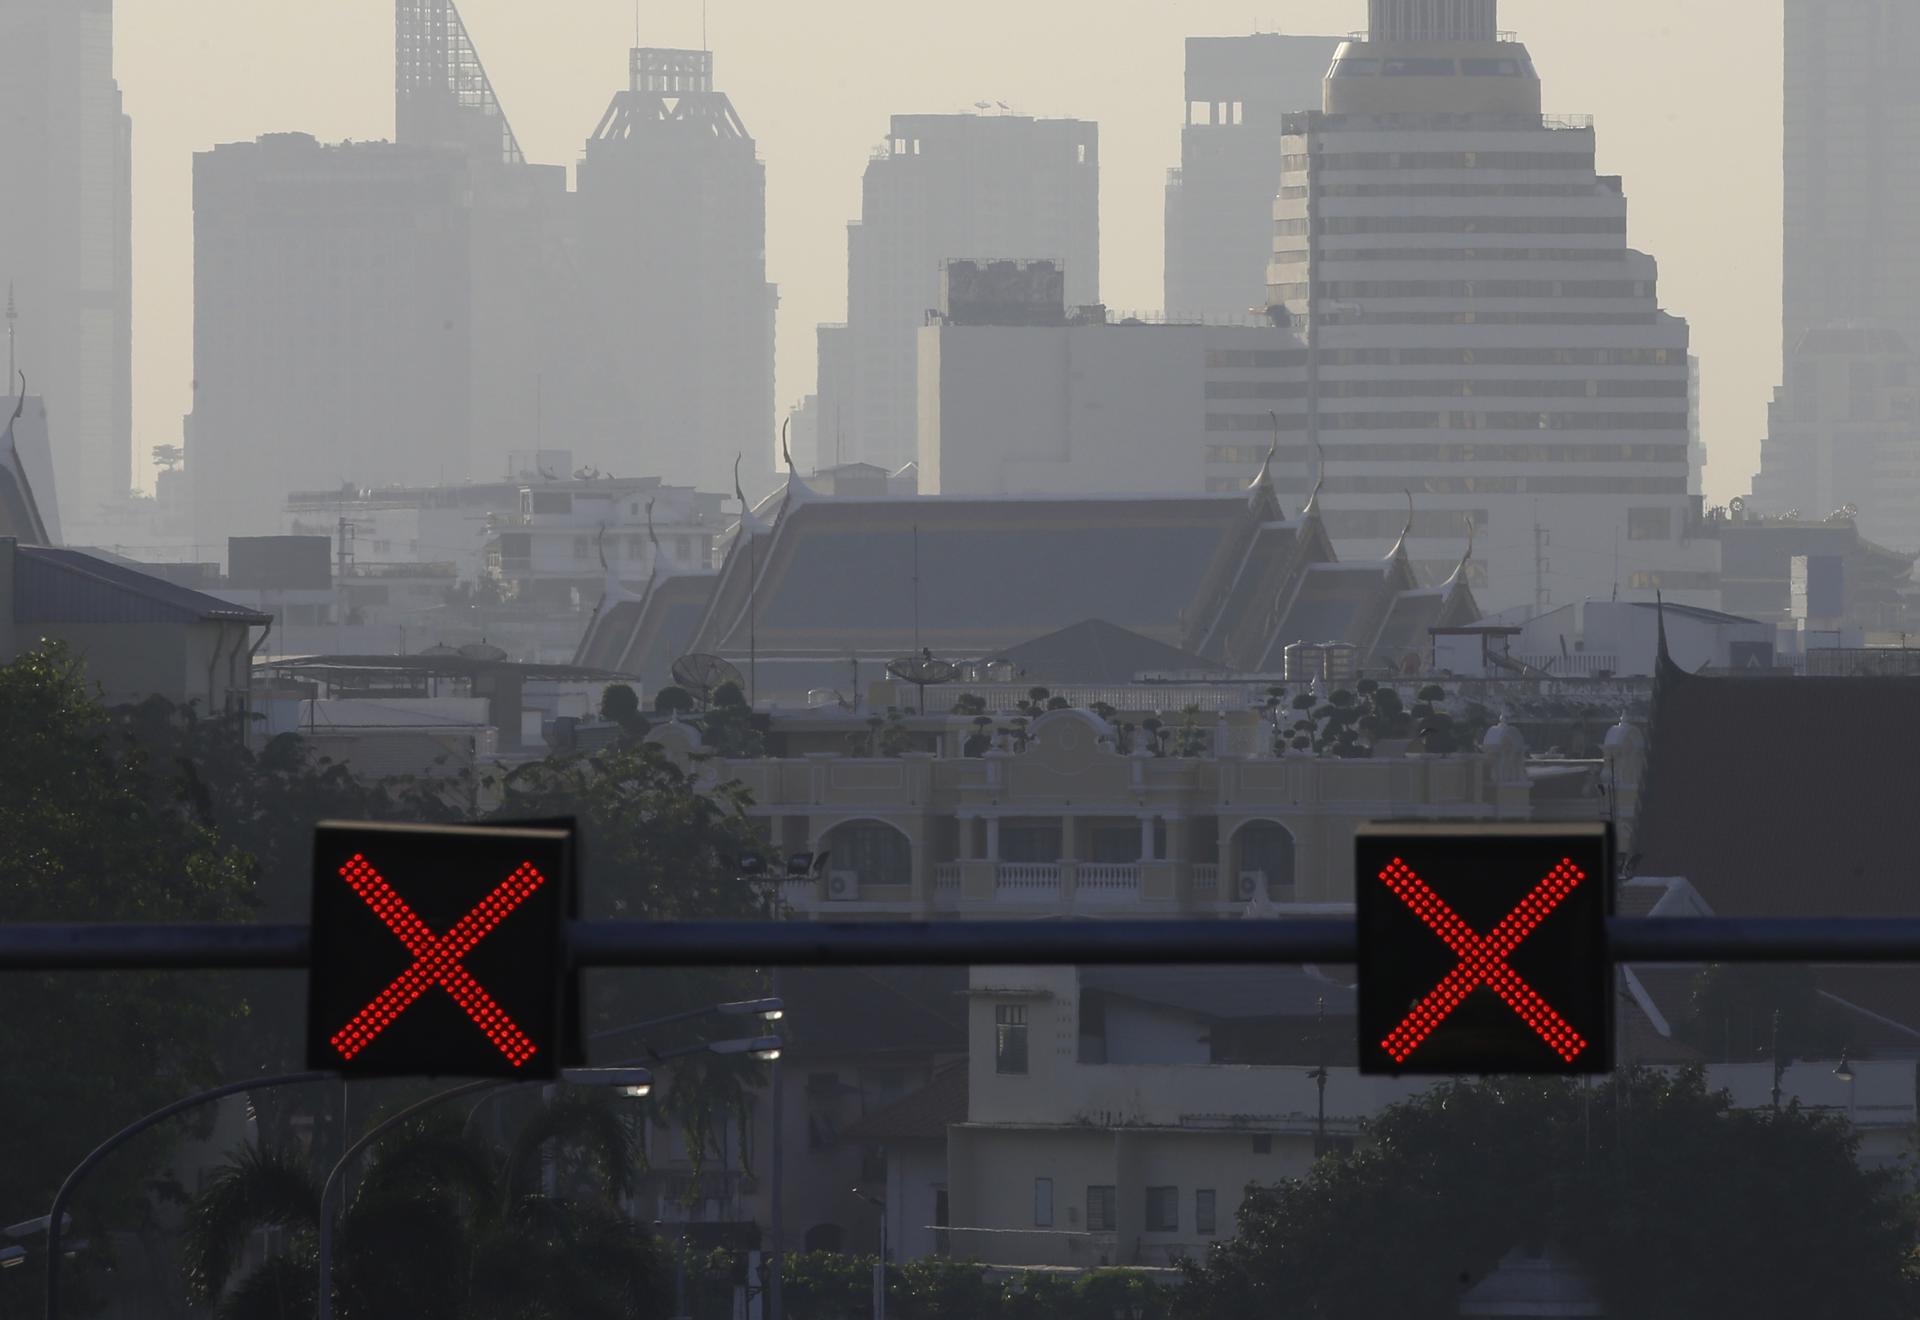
x,y
673,221
1852,167
66,240
1219,216
1476,328
540,370
1841,430
331,323
944,187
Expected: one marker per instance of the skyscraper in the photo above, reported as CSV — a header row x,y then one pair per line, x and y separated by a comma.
x,y
539,368
1477,330
1852,166
1219,210
673,221
331,336
941,187
1842,431
66,240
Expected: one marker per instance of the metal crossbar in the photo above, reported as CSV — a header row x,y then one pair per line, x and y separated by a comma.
x,y
101,947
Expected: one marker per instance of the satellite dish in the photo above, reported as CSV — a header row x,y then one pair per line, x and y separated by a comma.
x,y
703,675
483,651
1738,504
441,648
923,671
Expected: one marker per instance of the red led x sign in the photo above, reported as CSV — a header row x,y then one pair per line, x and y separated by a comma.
x,y
436,961
437,951
1483,960
1483,948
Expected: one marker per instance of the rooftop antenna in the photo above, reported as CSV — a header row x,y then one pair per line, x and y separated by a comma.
x,y
703,25
13,314
916,587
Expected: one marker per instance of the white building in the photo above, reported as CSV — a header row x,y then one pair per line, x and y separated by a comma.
x,y
673,220
943,187
1481,332
66,244
1219,208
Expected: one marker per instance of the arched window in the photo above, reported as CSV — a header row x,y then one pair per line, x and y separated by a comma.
x,y
1267,849
878,853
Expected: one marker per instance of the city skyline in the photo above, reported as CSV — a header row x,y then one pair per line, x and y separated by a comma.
x,y
551,72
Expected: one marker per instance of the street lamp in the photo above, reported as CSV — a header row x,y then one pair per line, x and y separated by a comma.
x,y
1319,1076
57,1216
769,1009
880,1266
626,1081
1844,1069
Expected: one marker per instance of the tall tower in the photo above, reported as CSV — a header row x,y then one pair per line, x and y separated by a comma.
x,y
441,94
946,186
1842,429
1478,330
1852,201
66,241
673,224
1219,203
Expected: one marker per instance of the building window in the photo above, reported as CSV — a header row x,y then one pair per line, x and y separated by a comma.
x,y
1100,1210
1043,1203
1649,524
1203,1213
1163,1209
1263,1144
1010,1039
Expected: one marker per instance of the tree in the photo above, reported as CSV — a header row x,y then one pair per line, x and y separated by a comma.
x,y
673,700
730,726
1733,1007
620,705
90,832
441,1226
1673,1202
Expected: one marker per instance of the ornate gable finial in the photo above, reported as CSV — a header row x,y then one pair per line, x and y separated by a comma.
x,y
1263,479
1400,546
1460,573
1319,478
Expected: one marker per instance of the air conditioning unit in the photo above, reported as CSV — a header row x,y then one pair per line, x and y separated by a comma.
x,y
843,885
1248,887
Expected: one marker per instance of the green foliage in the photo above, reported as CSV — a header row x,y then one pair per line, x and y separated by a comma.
x,y
969,703
1674,1203
620,705
1731,1014
673,700
91,831
440,1226
825,1285
730,727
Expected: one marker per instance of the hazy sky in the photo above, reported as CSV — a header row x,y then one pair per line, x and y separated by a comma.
x,y
1687,93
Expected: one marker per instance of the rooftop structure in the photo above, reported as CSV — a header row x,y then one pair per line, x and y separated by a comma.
x,y
441,92
837,580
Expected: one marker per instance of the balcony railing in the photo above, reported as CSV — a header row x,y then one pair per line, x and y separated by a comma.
x,y
1027,882
1110,882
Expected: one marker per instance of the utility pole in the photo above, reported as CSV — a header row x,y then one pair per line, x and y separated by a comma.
x,y
1542,538
343,560
1319,1075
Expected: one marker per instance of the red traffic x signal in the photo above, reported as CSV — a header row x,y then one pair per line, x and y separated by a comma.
x,y
1483,948
437,950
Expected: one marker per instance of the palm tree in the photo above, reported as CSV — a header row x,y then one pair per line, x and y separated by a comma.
x,y
442,1227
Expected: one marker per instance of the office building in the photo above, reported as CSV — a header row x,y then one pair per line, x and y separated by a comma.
x,y
672,202
1475,328
944,187
332,323
66,241
1852,167
1842,432
1219,214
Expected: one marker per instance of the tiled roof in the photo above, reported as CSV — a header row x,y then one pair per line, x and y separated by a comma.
x,y
1096,651
65,586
